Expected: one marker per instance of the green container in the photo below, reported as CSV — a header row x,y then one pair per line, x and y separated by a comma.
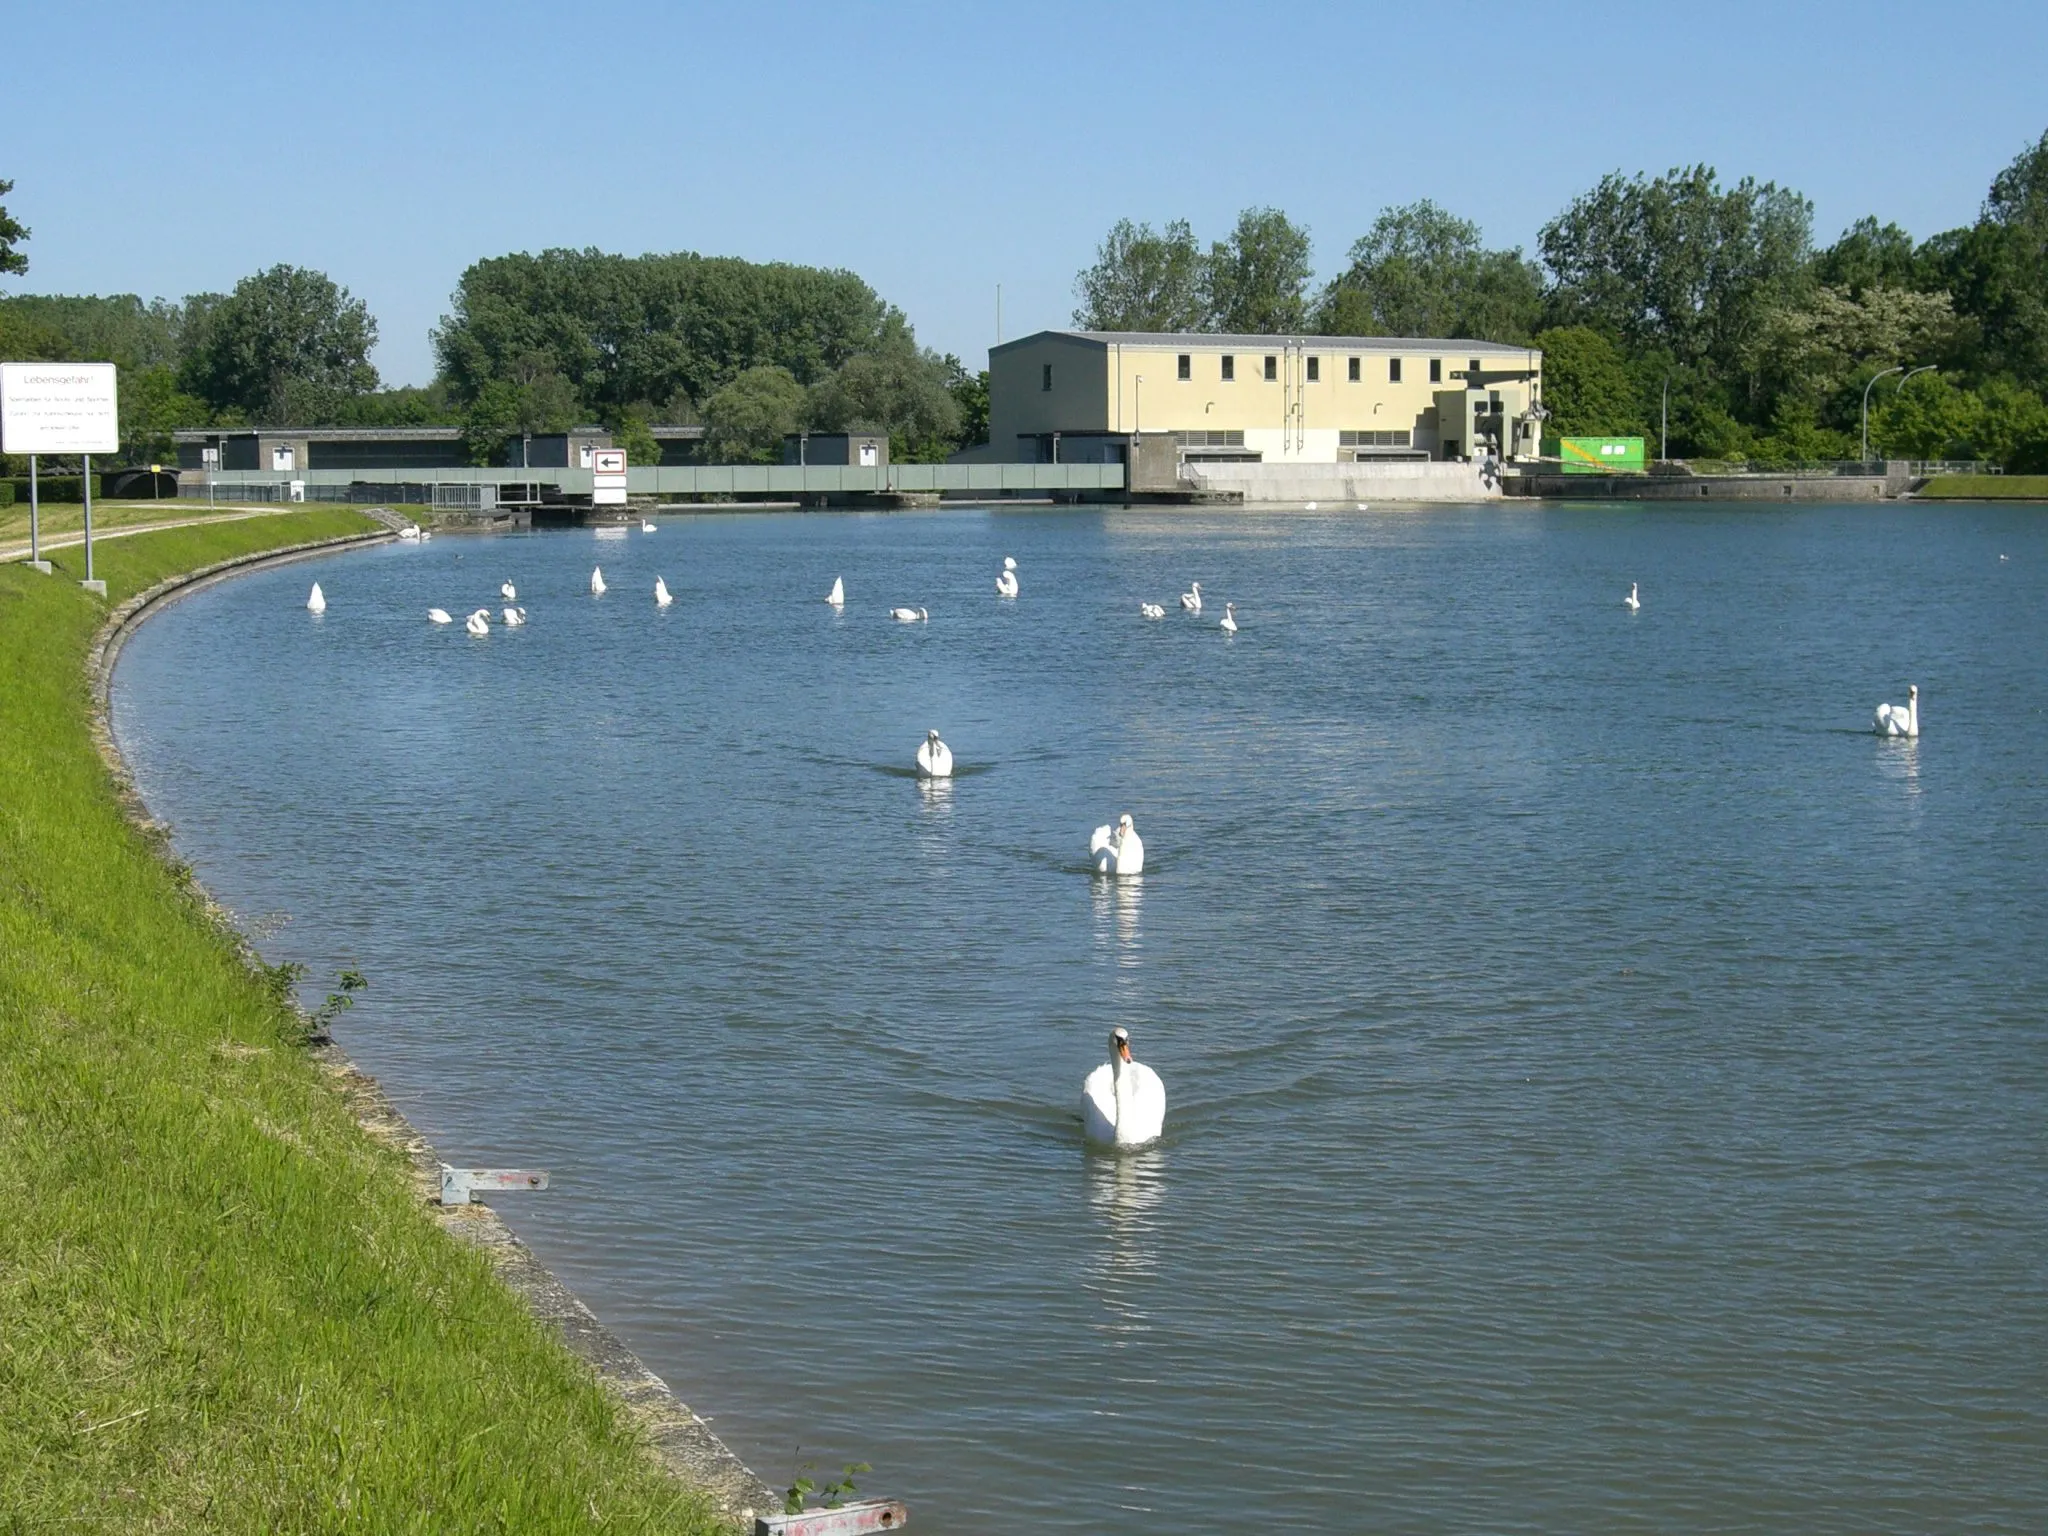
x,y
1600,455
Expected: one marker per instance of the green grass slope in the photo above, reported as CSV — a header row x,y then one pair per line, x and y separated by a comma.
x,y
1985,488
221,1305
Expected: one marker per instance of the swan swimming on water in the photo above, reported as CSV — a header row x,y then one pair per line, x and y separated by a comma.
x,y
1899,719
909,615
1192,598
597,581
1151,611
316,600
1006,580
645,526
1229,624
837,596
514,617
1123,1102
410,532
1117,850
508,592
439,616
662,596
1632,603
934,757
479,623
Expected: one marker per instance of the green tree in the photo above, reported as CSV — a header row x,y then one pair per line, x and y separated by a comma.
x,y
1678,262
970,395
1998,268
1256,282
1823,349
505,409
1143,280
897,389
1587,386
288,345
631,433
152,408
12,234
1423,272
1869,255
749,418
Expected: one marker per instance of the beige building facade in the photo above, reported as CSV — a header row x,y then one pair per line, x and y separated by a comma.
x,y
1080,397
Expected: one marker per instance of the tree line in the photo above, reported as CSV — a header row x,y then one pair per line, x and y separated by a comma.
x,y
1672,297
532,344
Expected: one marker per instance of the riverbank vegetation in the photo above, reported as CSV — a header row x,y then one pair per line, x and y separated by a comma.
x,y
1673,297
222,1306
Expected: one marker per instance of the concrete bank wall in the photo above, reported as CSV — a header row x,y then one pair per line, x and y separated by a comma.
x,y
1710,487
1342,484
683,1441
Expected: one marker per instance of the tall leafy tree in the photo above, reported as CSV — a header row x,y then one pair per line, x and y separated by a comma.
x,y
286,347
1587,385
1869,255
12,234
1421,271
1679,262
749,417
898,389
1998,269
1143,280
1256,282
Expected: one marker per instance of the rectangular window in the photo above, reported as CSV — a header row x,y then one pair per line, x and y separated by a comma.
x,y
1393,370
1045,381
1185,369
1315,370
1472,367
1436,370
1375,439
1354,370
1229,368
1272,368
1211,438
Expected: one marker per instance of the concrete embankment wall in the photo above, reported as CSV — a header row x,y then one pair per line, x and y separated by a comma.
x,y
1710,487
1339,484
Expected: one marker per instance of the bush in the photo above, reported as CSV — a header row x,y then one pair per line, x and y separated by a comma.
x,y
56,488
6,493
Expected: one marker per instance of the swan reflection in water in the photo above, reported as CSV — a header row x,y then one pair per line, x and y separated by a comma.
x,y
1118,905
1125,1193
1900,763
936,795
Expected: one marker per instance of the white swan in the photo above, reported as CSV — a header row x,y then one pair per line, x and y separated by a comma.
x,y
837,596
1006,584
316,600
409,531
426,534
662,596
934,757
1151,611
1309,507
909,615
1117,850
508,592
1899,719
514,617
645,526
597,581
1192,598
1123,1102
1229,624
479,623
1632,603
439,616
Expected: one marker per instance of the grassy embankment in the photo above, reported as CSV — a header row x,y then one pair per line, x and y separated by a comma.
x,y
221,1305
66,519
1985,488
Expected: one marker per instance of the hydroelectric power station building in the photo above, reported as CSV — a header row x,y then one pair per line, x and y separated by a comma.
x,y
1085,396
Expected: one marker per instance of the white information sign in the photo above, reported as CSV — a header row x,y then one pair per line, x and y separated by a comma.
x,y
58,408
608,477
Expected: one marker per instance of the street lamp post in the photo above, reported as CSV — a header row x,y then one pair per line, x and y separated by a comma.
x,y
1866,406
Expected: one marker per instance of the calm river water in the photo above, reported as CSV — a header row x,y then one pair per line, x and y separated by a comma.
x,y
1608,1087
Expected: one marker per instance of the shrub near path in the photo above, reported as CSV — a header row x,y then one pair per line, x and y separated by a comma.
x,y
221,1305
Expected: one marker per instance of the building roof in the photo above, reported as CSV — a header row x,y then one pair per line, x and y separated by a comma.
x,y
1213,341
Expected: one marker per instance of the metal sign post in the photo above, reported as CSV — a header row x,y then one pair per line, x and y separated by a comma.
x,y
60,408
36,561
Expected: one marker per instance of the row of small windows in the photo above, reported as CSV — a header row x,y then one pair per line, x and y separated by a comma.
x,y
1185,369
1374,439
1210,438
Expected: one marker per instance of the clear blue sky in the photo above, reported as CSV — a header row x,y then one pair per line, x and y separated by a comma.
x,y
941,149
